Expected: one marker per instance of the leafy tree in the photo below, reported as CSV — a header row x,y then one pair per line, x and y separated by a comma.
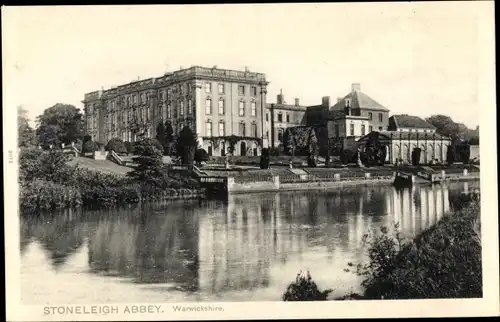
x,y
116,145
375,152
444,125
149,170
186,145
26,135
169,137
289,142
161,135
61,123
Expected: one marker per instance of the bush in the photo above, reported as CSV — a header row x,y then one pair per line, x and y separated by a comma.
x,y
117,145
415,156
450,155
42,195
90,146
304,289
201,156
48,165
443,261
150,168
311,161
264,159
130,147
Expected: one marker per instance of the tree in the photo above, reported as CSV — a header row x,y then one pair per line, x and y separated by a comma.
x,y
415,156
375,152
450,154
161,135
169,137
149,164
186,145
25,134
61,123
445,125
289,142
201,156
90,146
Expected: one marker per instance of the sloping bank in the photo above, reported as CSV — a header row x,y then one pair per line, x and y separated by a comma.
x,y
444,261
47,183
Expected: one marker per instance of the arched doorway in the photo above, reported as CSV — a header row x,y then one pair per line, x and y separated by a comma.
x,y
430,152
405,153
439,153
423,154
396,153
243,148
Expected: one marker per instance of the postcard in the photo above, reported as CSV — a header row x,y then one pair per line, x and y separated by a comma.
x,y
250,161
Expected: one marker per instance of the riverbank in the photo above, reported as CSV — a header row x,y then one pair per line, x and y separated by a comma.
x,y
48,182
443,261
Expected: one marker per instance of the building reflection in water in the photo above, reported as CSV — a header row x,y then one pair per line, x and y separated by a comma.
x,y
250,243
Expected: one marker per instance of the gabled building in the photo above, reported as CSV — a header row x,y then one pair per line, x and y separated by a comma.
x,y
353,116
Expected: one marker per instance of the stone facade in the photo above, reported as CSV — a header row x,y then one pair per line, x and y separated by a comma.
x,y
213,102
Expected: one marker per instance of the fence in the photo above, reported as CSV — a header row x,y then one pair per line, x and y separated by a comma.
x,y
253,178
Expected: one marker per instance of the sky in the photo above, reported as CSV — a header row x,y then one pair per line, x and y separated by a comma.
x,y
414,58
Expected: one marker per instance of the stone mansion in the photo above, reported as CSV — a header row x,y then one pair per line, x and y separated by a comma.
x,y
219,103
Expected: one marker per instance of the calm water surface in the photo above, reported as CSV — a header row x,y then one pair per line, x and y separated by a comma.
x,y
248,249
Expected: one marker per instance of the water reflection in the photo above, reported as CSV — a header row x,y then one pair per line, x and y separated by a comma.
x,y
251,246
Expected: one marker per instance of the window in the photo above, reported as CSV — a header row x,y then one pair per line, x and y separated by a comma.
x,y
370,128
254,109
370,116
208,87
161,96
254,91
190,88
242,108
169,111
181,89
221,129
351,130
242,129
380,117
363,129
337,130
221,107
181,108
160,111
208,106
124,117
288,118
267,134
280,117
267,117
143,98
209,128
241,89
190,106
147,113
135,99
221,88
280,134
254,130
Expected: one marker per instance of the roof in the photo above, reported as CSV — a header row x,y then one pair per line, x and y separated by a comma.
x,y
409,121
289,107
359,100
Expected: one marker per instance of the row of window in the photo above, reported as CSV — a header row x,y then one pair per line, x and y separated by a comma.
x,y
221,89
351,130
279,117
222,129
222,107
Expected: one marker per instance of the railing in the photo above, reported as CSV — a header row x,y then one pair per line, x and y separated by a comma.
x,y
250,179
117,158
213,180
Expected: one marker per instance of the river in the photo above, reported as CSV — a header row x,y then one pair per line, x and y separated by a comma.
x,y
246,249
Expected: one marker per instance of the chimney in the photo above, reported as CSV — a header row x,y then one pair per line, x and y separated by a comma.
x,y
280,98
356,87
326,101
297,102
339,99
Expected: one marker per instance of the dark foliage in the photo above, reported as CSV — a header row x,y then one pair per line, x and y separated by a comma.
x,y
450,154
90,146
185,145
117,145
304,289
415,156
201,156
264,159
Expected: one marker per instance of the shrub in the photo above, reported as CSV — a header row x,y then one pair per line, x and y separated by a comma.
x,y
90,146
276,152
116,145
304,289
415,156
185,145
443,261
201,156
130,147
150,168
264,159
311,161
450,155
42,195
48,165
